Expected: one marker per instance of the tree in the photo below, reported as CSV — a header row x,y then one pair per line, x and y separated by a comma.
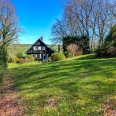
x,y
8,28
109,47
81,41
58,32
92,18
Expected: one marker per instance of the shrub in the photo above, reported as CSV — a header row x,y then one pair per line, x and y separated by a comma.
x,y
49,60
72,48
19,55
2,69
111,51
81,41
67,54
17,60
106,52
29,58
79,52
10,60
108,49
57,56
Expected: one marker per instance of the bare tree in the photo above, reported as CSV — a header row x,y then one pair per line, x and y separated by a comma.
x,y
82,11
92,18
58,32
8,26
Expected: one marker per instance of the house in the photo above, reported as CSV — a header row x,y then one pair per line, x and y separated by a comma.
x,y
40,50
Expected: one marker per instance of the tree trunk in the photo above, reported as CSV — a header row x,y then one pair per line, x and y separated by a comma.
x,y
58,48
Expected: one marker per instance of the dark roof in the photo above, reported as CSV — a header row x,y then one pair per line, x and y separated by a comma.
x,y
40,39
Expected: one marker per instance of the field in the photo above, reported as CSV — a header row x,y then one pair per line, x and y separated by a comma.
x,y
14,49
79,86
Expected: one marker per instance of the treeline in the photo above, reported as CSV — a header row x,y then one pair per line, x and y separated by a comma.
x,y
91,18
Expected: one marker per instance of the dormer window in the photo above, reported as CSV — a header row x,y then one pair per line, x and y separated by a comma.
x,y
35,47
43,48
39,48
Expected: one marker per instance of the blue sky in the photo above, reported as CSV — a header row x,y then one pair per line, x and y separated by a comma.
x,y
36,17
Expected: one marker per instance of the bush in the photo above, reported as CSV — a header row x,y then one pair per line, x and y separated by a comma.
x,y
19,55
67,54
29,58
17,60
81,41
108,49
106,52
111,51
57,56
2,69
49,60
10,60
79,52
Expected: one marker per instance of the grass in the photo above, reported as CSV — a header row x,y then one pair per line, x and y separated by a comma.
x,y
14,49
73,87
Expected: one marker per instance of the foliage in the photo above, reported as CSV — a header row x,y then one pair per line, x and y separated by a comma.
x,y
111,36
67,54
74,50
85,17
19,55
27,58
3,56
77,86
100,52
109,47
81,41
8,29
10,60
3,62
15,48
2,69
57,56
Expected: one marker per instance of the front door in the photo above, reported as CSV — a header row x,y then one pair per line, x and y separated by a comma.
x,y
46,56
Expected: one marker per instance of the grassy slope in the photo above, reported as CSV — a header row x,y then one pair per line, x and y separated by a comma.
x,y
74,87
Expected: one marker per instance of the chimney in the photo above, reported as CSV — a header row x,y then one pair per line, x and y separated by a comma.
x,y
41,38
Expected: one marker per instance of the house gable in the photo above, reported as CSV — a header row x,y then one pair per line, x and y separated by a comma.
x,y
39,48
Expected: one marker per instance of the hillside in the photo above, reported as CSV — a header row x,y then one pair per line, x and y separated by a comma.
x,y
13,49
82,86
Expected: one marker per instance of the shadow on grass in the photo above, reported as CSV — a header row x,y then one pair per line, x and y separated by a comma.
x,y
87,57
78,84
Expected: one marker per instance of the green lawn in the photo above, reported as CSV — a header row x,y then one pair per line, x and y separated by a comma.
x,y
73,87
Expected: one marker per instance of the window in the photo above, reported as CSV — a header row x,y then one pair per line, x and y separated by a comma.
x,y
35,47
39,48
43,48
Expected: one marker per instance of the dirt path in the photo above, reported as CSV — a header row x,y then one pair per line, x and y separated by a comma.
x,y
10,102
